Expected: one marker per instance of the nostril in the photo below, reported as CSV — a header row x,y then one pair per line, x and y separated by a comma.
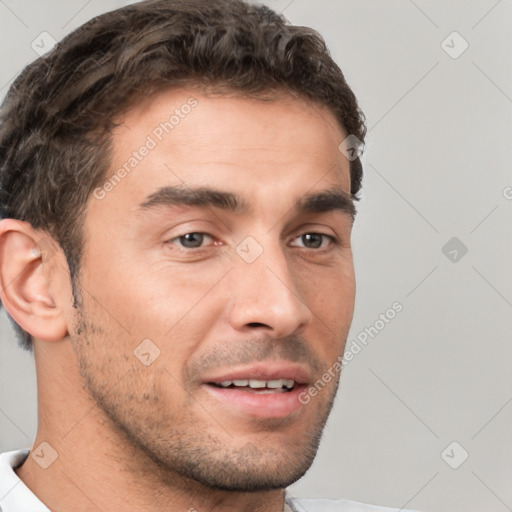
x,y
256,324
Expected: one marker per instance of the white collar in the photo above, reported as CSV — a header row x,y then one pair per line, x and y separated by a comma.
x,y
14,494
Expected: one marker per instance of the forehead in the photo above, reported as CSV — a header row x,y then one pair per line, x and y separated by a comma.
x,y
183,137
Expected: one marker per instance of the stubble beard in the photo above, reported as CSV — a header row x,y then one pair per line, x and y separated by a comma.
x,y
156,446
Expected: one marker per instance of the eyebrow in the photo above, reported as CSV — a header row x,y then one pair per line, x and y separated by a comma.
x,y
333,199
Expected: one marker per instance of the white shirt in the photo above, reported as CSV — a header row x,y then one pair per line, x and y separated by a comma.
x,y
15,496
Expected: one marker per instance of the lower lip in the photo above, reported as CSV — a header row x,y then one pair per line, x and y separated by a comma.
x,y
259,405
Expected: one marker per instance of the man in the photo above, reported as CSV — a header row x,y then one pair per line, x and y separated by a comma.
x,y
177,186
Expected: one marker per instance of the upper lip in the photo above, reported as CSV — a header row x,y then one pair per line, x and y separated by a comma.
x,y
262,371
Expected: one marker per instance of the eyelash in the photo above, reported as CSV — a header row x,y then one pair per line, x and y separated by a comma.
x,y
333,239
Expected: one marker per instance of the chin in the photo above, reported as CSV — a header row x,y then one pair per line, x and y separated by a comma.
x,y
252,468
249,475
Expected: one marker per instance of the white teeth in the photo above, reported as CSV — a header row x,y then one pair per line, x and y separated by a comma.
x,y
253,383
275,384
289,383
259,384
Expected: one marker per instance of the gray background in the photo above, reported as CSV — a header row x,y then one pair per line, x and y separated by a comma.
x,y
437,166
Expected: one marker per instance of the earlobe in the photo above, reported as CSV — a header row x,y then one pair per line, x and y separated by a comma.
x,y
25,275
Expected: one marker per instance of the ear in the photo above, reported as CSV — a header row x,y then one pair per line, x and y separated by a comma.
x,y
25,280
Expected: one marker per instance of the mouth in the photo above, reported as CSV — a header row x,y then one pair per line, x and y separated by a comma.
x,y
269,391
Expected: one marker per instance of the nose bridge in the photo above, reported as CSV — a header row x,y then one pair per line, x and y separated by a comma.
x,y
264,290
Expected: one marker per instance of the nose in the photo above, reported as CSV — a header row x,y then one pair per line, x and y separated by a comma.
x,y
265,296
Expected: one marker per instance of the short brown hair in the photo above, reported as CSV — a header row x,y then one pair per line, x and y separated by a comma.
x,y
57,118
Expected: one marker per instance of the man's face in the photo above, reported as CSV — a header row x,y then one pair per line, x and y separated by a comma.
x,y
190,305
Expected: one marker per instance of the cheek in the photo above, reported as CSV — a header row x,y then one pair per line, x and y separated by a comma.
x,y
124,374
153,300
330,293
330,289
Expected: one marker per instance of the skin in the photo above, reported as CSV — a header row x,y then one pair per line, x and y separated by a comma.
x,y
150,435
